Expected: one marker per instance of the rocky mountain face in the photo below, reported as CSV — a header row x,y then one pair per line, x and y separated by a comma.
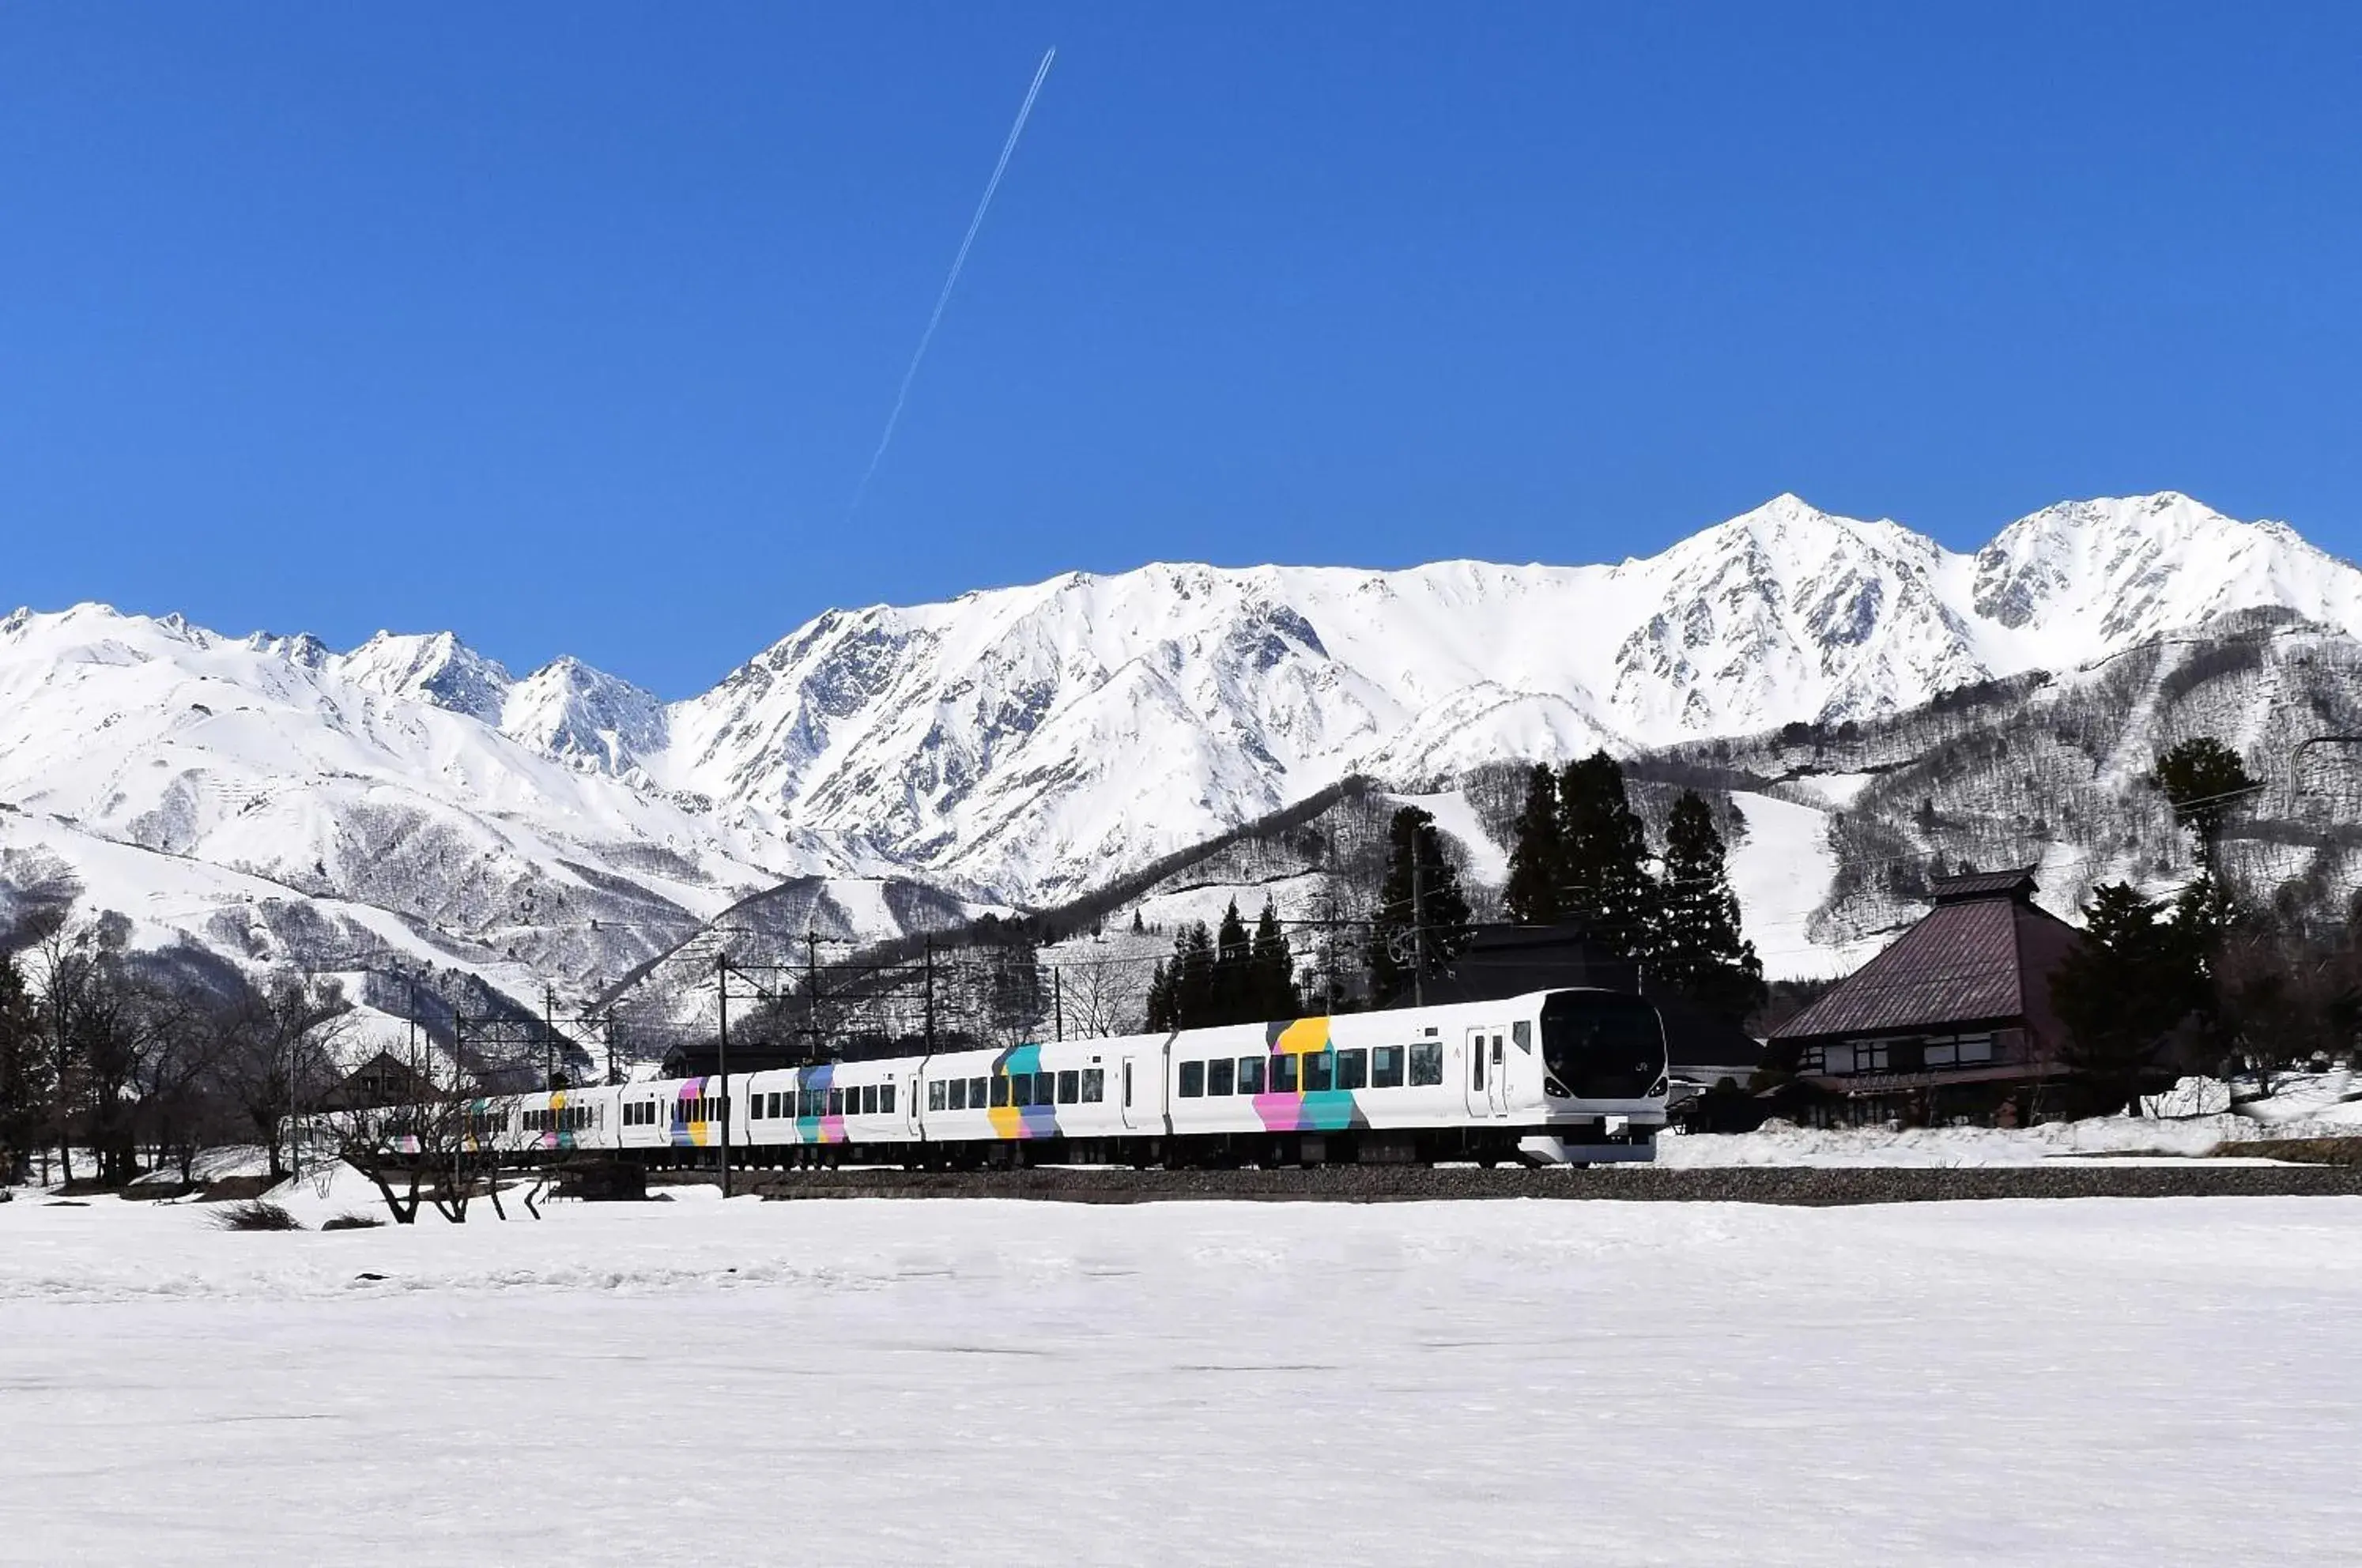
x,y
1014,746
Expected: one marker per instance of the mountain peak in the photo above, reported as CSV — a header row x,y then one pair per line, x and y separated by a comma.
x,y
434,667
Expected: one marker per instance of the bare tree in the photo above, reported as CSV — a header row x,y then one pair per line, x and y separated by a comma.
x,y
433,1139
277,1055
1105,995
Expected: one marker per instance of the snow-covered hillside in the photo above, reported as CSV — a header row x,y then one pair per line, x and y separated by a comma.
x,y
1021,743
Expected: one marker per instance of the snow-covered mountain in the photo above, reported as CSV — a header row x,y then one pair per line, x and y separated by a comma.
x,y
1029,739
1021,743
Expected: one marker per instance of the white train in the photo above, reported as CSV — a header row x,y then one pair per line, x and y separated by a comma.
x,y
1558,1075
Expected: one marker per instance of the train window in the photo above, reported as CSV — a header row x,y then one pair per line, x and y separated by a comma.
x,y
869,1100
1251,1075
1192,1081
1021,1089
885,1099
836,1101
1220,1075
1319,1071
1000,1090
1522,1034
1476,1061
976,1094
1283,1075
1127,1082
1094,1085
1427,1062
1353,1069
935,1096
955,1095
1070,1086
1386,1066
1045,1088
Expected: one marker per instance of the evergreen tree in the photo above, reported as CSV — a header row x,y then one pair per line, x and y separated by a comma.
x,y
1699,951
1233,999
2205,782
1604,876
1538,859
25,1073
2133,980
1160,1000
1193,977
1421,922
1274,969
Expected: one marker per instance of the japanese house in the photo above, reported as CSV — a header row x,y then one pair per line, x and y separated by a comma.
x,y
1953,1020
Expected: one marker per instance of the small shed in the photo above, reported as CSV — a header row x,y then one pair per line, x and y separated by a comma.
x,y
1953,1018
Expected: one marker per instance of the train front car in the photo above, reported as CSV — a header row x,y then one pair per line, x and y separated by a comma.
x,y
1603,1078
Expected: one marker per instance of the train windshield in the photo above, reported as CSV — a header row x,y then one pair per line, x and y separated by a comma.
x,y
1603,1044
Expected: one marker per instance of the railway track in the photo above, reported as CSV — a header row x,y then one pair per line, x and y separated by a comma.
x,y
1382,1184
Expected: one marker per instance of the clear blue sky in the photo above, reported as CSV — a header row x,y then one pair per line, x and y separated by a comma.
x,y
570,327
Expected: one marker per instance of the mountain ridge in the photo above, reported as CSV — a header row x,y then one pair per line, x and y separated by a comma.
x,y
1017,745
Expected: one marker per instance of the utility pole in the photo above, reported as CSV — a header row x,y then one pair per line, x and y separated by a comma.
x,y
931,996
1417,925
1058,1001
811,992
548,1036
722,1058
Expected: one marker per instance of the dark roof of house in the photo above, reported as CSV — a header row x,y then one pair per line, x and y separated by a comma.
x,y
1982,956
2018,884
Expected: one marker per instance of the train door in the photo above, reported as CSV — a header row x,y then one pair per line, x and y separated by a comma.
x,y
1488,1081
1128,1089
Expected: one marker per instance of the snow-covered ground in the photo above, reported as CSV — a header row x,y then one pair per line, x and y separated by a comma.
x,y
2187,1123
1782,871
2098,1382
1780,1143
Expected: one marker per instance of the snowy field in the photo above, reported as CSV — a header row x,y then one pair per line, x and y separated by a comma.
x,y
2097,1382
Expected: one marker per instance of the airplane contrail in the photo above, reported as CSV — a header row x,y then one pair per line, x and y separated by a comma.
x,y
951,281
